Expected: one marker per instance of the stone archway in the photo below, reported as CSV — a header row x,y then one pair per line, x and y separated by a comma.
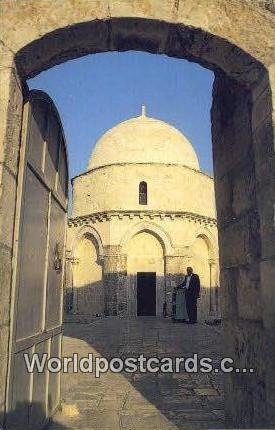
x,y
205,266
210,239
209,258
235,40
145,253
86,230
153,229
88,284
159,241
84,292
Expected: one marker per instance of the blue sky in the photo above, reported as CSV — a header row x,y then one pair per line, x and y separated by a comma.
x,y
95,92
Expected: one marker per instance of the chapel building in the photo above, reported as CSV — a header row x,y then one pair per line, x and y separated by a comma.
x,y
142,212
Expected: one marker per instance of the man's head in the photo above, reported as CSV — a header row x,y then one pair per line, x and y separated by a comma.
x,y
189,271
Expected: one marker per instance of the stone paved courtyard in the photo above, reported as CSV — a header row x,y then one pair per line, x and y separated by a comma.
x,y
141,400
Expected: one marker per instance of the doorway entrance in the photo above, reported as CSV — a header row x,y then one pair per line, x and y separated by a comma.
x,y
146,294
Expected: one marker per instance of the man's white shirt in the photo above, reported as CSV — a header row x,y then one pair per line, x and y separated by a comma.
x,y
188,279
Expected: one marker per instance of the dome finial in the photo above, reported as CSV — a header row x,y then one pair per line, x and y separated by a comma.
x,y
143,110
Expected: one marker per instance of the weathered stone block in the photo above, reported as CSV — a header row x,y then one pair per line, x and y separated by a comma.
x,y
260,85
240,241
231,128
4,343
244,190
176,264
136,32
262,107
115,283
86,38
263,142
7,206
246,344
5,284
11,101
235,192
229,302
266,205
223,195
267,290
249,293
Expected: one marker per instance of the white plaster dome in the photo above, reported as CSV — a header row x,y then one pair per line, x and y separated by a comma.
x,y
143,140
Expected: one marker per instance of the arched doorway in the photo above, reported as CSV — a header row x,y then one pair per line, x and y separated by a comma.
x,y
242,144
145,272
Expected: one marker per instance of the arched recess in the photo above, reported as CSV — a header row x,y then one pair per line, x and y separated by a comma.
x,y
145,273
88,291
210,239
231,38
87,231
153,229
204,258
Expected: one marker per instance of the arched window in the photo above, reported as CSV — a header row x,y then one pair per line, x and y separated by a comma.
x,y
143,193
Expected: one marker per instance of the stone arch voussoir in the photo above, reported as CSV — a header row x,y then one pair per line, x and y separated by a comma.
x,y
87,231
153,229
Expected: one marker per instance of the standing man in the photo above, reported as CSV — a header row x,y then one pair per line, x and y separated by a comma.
x,y
192,285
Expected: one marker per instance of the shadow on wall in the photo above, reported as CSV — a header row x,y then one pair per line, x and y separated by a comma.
x,y
29,416
86,299
89,302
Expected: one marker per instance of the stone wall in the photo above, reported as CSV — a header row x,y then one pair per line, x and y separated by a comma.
x,y
233,36
264,144
241,226
165,247
170,188
10,112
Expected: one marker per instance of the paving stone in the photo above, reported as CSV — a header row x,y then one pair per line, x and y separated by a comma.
x,y
141,401
214,402
148,422
206,391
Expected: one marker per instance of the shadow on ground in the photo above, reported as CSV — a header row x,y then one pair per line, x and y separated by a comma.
x,y
28,416
142,400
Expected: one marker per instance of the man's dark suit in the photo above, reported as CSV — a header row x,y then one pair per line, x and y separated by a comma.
x,y
192,294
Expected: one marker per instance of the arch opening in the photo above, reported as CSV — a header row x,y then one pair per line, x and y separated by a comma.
x,y
242,131
145,274
87,289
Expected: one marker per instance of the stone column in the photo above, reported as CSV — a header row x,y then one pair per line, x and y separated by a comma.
x,y
115,281
11,107
214,290
70,294
212,301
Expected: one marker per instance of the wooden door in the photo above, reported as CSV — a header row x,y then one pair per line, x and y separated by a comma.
x,y
38,263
